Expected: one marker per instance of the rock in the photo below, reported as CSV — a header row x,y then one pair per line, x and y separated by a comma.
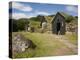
x,y
30,44
20,43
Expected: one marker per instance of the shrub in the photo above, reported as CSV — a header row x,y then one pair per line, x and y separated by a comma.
x,y
69,19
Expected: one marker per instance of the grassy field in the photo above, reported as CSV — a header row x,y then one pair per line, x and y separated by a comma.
x,y
47,45
72,37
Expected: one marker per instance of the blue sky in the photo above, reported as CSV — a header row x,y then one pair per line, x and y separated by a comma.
x,y
27,10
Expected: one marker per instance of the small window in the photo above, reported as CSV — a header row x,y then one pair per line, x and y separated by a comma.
x,y
58,20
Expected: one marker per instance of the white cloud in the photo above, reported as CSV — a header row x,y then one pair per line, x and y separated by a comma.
x,y
72,9
20,15
41,13
27,8
21,7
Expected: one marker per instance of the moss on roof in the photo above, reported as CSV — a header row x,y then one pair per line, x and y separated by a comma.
x,y
64,14
49,18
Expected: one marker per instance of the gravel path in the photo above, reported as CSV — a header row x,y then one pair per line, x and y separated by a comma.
x,y
63,39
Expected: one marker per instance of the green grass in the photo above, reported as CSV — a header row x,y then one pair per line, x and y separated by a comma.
x,y
73,38
46,44
35,24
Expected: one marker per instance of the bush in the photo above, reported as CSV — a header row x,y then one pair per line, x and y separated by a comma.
x,y
69,19
19,25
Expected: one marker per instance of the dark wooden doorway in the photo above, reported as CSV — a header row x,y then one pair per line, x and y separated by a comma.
x,y
58,26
